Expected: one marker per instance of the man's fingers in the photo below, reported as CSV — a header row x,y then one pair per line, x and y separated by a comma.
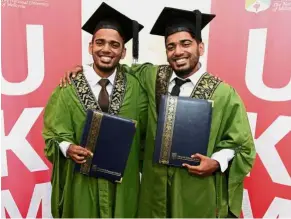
x,y
67,77
65,81
79,158
198,156
78,150
84,151
186,165
75,72
195,172
192,168
89,153
81,151
62,83
79,68
79,162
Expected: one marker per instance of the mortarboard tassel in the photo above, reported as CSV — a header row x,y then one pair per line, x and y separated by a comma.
x,y
135,41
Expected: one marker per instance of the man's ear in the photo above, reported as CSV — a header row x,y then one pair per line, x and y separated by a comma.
x,y
201,48
123,53
90,47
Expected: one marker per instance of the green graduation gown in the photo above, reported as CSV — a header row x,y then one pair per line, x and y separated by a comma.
x,y
76,195
173,192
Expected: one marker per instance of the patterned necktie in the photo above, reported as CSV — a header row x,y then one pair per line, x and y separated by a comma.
x,y
178,83
103,99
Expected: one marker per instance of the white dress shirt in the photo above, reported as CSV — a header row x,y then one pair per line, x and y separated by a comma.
x,y
93,78
223,156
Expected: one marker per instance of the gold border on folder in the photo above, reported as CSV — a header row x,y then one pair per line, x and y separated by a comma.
x,y
91,140
170,115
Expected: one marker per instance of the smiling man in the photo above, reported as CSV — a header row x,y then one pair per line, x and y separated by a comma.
x,y
105,86
215,187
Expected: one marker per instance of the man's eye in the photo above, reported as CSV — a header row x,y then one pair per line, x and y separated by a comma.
x,y
186,44
99,43
115,45
171,47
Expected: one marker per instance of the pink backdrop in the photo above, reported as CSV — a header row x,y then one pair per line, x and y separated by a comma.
x,y
229,57
62,49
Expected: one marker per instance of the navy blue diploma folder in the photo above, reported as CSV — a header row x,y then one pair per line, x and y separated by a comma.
x,y
109,138
183,130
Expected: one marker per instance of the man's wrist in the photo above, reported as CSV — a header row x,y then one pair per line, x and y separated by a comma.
x,y
216,166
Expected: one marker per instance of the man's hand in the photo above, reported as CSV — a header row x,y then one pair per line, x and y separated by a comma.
x,y
78,153
66,78
206,168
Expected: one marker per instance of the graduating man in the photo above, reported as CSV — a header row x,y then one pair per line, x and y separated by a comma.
x,y
215,187
106,86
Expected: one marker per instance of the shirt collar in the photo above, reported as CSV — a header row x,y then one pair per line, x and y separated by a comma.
x,y
194,78
93,78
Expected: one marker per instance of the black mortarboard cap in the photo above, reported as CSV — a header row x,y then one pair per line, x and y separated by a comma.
x,y
106,17
172,20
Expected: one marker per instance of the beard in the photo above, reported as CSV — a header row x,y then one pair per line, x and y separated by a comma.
x,y
184,71
106,68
